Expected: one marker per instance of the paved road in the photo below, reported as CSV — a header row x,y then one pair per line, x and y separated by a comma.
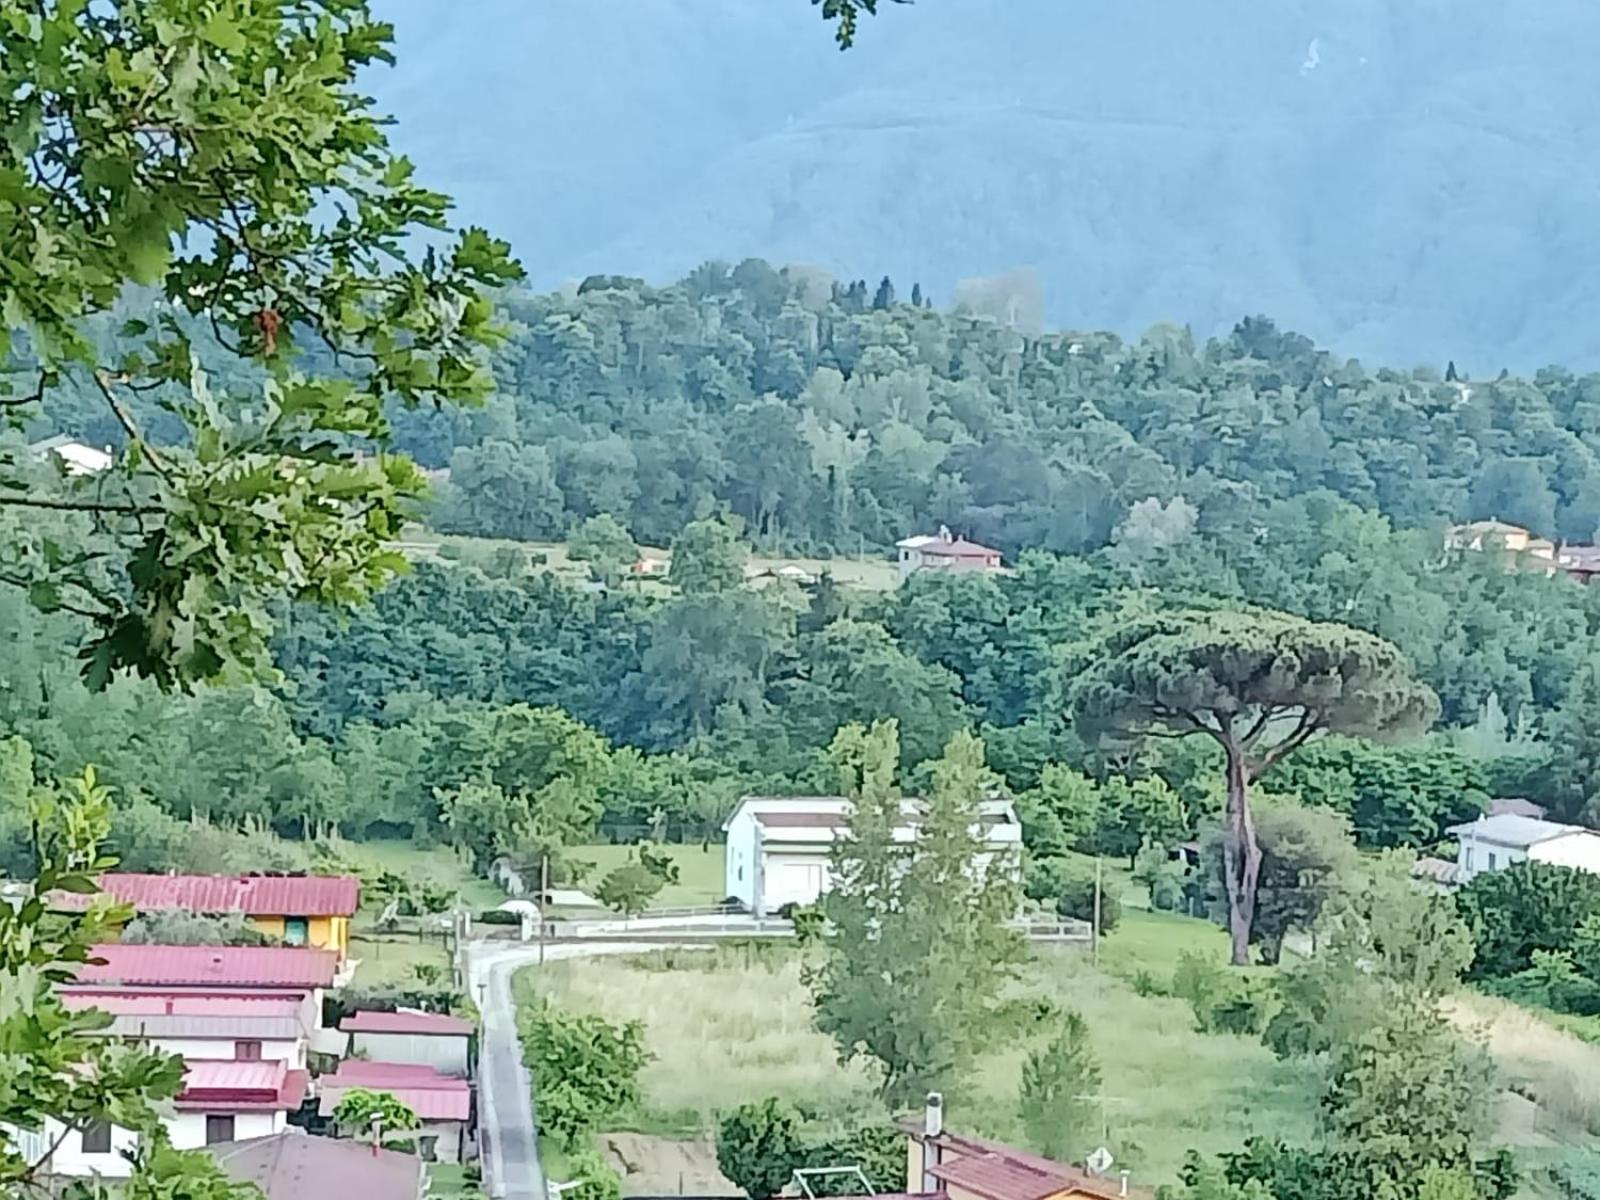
x,y
507,1117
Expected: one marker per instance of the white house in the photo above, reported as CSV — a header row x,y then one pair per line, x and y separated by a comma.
x,y
413,1038
779,847
247,1027
76,457
220,1102
944,551
1494,843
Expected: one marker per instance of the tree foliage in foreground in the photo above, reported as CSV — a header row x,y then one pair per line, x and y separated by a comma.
x,y
915,969
219,153
57,1064
1258,684
587,1067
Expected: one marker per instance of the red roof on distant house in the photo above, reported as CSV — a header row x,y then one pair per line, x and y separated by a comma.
x,y
432,1096
251,895
958,547
1073,1181
999,1178
241,1086
179,1002
299,1166
295,967
421,1023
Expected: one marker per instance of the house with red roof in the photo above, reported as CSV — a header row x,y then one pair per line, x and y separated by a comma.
x,y
296,1166
944,551
275,968
298,910
444,1105
220,1102
243,1026
407,1036
961,1167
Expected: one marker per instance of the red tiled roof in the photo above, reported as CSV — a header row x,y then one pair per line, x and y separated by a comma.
x,y
956,1148
241,1086
432,1096
423,1023
251,895
958,548
236,966
154,1003
999,1178
298,1166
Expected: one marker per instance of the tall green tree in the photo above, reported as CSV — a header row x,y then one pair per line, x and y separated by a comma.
x,y
1056,1096
1259,684
914,976
220,153
606,545
708,556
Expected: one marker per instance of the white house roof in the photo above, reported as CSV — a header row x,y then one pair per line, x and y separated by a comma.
x,y
814,819
917,542
78,458
1513,831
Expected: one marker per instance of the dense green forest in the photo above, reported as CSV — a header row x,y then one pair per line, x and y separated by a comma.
x,y
752,405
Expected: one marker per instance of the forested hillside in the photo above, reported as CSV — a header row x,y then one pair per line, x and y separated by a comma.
x,y
1411,181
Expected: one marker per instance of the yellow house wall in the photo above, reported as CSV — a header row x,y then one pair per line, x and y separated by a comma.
x,y
324,933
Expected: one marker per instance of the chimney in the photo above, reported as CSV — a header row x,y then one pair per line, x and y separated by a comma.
x,y
932,1127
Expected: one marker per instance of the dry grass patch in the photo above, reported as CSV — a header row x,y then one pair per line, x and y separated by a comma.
x,y
724,1028
1555,1069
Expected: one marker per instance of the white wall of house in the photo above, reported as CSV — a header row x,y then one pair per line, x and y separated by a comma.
x,y
188,1129
449,1139
70,1158
742,857
792,876
1476,855
1579,849
445,1054
291,1051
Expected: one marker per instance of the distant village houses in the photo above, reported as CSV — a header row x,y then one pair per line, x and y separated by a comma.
x,y
1580,562
944,551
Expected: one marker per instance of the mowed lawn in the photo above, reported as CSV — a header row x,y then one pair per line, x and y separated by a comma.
x,y
727,1026
700,876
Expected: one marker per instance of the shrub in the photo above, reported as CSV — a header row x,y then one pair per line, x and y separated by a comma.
x,y
809,924
600,1182
588,1068
1526,907
628,889
499,916
759,1145
1071,889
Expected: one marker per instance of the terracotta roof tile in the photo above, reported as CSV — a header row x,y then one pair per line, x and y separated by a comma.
x,y
251,895
240,966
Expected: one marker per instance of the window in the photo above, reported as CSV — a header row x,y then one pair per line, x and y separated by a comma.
x,y
1491,860
247,1051
295,931
96,1137
740,875
1466,860
219,1128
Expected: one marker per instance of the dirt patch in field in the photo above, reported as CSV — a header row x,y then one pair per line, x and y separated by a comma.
x,y
664,1166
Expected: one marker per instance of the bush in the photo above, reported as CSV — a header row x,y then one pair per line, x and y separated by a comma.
x,y
759,1145
628,889
587,1068
1223,1001
175,927
1528,906
600,1182
1070,888
809,924
499,916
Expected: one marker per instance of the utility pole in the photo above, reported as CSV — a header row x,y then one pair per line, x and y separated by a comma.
x,y
1094,928
544,900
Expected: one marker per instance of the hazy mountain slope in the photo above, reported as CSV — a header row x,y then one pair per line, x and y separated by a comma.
x,y
1405,179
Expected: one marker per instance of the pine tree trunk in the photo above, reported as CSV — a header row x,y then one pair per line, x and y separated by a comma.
x,y
1241,858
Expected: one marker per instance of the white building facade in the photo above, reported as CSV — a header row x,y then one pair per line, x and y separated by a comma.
x,y
780,848
1497,842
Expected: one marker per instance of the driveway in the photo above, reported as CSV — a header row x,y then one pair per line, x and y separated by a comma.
x,y
507,1110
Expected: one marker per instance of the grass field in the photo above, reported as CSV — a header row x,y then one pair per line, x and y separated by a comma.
x,y
871,572
728,1026
700,877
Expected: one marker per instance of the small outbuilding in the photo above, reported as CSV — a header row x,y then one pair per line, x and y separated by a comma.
x,y
410,1037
